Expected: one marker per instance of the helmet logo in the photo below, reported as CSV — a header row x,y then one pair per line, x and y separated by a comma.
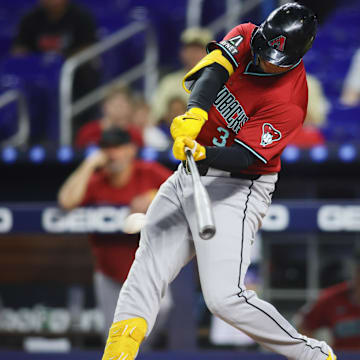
x,y
278,43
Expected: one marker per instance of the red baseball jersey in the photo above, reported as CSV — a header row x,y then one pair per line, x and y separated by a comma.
x,y
261,112
336,310
114,253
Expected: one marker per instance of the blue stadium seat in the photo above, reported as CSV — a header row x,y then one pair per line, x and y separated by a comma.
x,y
8,120
343,123
329,60
38,77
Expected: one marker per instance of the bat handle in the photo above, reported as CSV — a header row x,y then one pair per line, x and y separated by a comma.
x,y
203,207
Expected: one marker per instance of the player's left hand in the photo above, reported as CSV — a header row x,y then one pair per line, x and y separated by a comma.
x,y
198,151
189,124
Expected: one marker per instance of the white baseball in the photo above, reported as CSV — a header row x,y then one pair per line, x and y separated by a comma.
x,y
134,223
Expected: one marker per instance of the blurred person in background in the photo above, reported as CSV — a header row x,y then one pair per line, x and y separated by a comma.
x,y
57,26
118,110
350,95
193,43
113,176
338,310
153,135
318,107
174,106
63,28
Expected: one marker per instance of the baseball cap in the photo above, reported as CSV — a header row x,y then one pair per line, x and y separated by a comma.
x,y
114,137
196,36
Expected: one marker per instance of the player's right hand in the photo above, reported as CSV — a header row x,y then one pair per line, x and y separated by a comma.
x,y
188,124
97,159
181,142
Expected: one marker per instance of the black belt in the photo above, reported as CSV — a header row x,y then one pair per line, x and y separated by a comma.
x,y
203,169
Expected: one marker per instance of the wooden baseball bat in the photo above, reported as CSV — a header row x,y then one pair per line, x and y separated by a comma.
x,y
204,213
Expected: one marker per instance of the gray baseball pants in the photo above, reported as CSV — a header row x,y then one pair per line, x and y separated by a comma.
x,y
106,294
170,240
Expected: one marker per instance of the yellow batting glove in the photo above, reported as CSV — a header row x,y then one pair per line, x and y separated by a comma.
x,y
188,124
198,151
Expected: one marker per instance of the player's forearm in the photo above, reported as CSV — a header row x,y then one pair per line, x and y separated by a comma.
x,y
207,86
233,158
73,190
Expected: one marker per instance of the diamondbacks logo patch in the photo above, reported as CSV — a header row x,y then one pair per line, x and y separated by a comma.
x,y
278,43
269,135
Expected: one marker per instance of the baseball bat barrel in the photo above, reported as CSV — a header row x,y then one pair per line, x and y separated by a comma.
x,y
203,208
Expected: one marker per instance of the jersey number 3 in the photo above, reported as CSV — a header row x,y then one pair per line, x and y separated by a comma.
x,y
224,134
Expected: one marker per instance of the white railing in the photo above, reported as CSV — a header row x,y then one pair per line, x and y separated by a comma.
x,y
22,135
147,69
234,10
193,13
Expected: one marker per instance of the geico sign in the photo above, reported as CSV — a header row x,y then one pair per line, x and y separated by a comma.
x,y
6,220
339,218
276,219
99,219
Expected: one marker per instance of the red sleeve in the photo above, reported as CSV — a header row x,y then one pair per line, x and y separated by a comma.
x,y
235,44
159,174
92,189
268,132
316,315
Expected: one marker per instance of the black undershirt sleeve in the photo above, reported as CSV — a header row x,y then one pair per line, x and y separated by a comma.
x,y
232,158
207,86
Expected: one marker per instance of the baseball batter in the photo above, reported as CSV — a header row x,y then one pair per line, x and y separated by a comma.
x,y
248,100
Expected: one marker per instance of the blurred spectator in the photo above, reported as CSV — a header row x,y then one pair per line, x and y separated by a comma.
x,y
118,111
60,27
55,26
153,136
112,176
310,135
194,41
337,309
174,107
351,91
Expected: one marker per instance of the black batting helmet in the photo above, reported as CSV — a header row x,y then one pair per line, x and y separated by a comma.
x,y
285,36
